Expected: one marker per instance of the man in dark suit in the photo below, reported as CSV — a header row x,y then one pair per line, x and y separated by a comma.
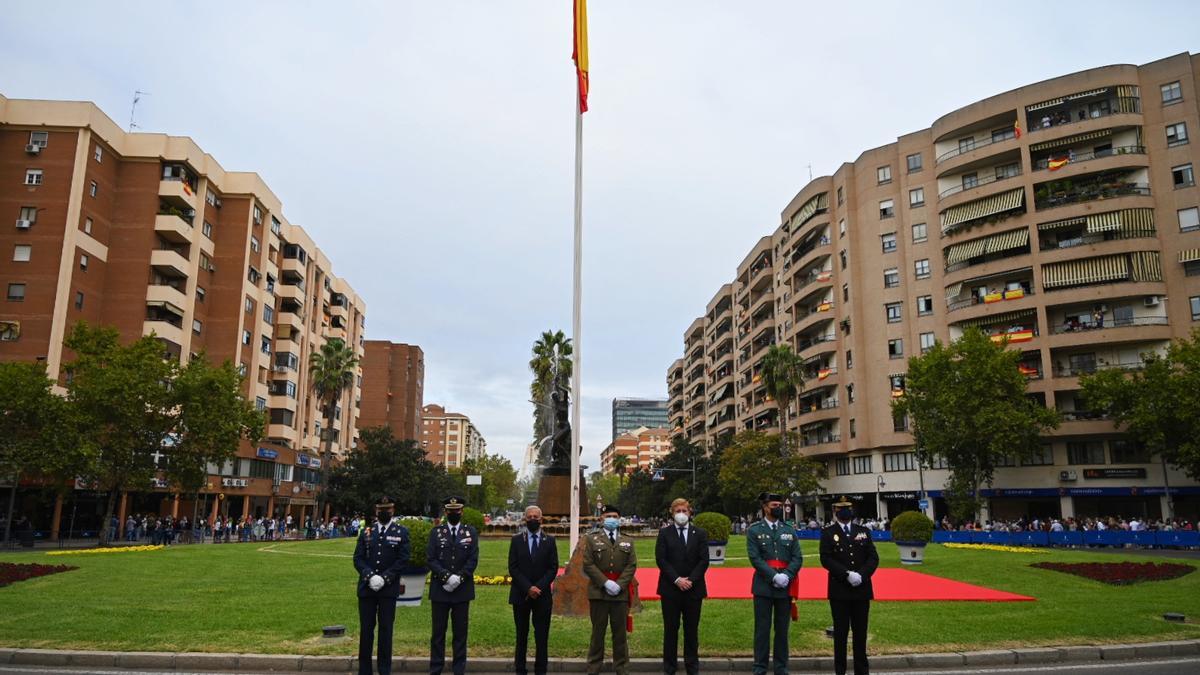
x,y
381,552
848,553
682,556
453,554
533,565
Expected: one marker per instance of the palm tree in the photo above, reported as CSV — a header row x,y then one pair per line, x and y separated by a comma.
x,y
331,371
783,375
620,464
551,366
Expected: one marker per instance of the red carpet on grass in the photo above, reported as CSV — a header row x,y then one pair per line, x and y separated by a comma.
x,y
891,584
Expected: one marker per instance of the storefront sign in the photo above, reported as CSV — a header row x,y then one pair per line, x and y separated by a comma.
x,y
267,453
233,482
899,495
1130,472
852,496
301,459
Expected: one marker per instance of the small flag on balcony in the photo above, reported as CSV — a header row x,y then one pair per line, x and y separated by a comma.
x,y
824,373
1057,163
187,188
580,54
1017,128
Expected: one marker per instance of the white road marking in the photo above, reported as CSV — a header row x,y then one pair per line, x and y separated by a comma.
x,y
272,549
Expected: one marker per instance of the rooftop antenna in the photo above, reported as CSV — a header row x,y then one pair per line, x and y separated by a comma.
x,y
137,96
809,166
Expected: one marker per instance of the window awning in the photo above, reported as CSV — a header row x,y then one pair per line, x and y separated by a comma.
x,y
809,209
1127,90
1104,222
1087,271
1044,104
1003,317
165,305
1146,266
953,290
1085,94
982,208
1006,241
712,419
721,392
1137,221
1185,256
1070,140
965,251
1055,224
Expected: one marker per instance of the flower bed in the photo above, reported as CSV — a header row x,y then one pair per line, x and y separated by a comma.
x,y
997,547
498,580
11,573
1120,573
111,549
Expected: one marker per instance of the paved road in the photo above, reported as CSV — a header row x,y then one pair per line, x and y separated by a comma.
x,y
1178,666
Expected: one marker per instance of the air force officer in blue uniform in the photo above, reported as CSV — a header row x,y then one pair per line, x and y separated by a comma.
x,y
453,554
381,552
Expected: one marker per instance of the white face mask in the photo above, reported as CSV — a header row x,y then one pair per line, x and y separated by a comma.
x,y
681,519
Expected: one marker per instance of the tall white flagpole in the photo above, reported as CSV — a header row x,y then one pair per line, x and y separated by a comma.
x,y
576,328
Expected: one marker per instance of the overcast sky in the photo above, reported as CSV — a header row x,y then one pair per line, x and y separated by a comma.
x,y
428,147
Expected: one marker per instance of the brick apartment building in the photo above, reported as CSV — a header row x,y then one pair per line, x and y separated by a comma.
x,y
148,233
1062,216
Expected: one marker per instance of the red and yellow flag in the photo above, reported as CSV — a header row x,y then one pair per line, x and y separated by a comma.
x,y
1017,128
1057,163
580,53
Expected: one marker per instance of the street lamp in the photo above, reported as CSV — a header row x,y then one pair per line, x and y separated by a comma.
x,y
879,483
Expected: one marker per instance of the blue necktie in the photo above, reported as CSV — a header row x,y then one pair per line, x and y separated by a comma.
x,y
533,544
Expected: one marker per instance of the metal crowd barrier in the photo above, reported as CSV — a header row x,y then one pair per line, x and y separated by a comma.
x,y
1117,538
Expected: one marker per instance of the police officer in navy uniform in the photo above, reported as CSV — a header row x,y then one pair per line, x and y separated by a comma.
x,y
381,552
453,554
848,553
774,552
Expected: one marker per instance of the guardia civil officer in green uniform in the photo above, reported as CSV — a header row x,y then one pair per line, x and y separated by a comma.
x,y
609,561
848,553
774,553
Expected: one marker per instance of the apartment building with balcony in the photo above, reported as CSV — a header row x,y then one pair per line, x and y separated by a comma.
x,y
643,448
148,233
450,438
393,388
1062,218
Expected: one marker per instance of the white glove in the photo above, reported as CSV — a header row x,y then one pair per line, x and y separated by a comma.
x,y
854,578
375,582
781,580
453,582
612,587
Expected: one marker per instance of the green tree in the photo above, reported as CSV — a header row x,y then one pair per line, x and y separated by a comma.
x,y
783,375
620,465
34,420
967,403
551,367
331,372
605,488
752,463
211,418
499,482
1158,405
119,396
384,465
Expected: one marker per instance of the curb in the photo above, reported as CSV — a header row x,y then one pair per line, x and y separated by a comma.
x,y
276,663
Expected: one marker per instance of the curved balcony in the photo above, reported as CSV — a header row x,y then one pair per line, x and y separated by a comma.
x,y
990,268
1047,197
820,312
823,343
1000,301
814,253
985,187
1076,162
825,410
1137,329
1096,248
966,153
1117,117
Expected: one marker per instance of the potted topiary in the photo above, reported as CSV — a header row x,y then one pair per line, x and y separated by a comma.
x,y
911,531
718,527
412,576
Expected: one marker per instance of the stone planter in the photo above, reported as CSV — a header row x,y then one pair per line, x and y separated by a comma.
x,y
412,588
716,552
911,552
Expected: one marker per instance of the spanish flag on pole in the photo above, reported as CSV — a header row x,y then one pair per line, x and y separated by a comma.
x,y
580,53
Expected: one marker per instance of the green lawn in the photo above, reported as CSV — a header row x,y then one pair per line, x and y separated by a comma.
x,y
237,598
